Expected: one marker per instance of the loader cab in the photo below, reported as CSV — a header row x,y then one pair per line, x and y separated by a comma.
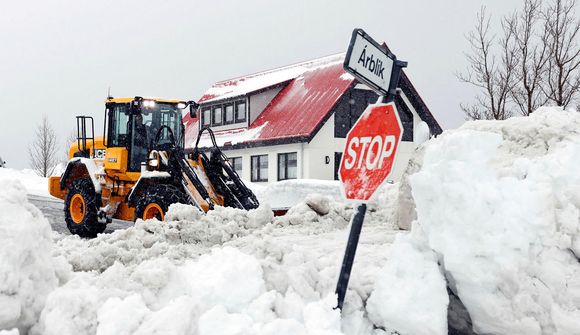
x,y
137,125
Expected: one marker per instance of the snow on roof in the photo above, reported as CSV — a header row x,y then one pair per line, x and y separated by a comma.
x,y
251,83
298,110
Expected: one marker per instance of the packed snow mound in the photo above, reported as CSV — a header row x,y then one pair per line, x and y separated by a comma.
x,y
28,271
499,204
184,235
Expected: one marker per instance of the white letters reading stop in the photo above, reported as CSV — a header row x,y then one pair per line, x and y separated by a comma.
x,y
382,145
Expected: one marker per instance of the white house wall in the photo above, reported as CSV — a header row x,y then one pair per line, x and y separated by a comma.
x,y
322,145
272,152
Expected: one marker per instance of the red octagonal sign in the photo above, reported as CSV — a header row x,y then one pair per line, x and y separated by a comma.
x,y
371,147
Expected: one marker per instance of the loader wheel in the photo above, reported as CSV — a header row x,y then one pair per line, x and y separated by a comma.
x,y
80,210
156,200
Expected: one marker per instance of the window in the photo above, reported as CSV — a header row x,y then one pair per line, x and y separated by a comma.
x,y
240,112
216,116
287,166
118,131
229,109
236,163
260,168
206,117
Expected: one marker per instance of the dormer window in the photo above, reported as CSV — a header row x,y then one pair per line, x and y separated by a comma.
x,y
240,111
220,114
206,117
229,117
216,114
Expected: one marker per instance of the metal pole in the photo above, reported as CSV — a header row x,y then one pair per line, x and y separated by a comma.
x,y
348,260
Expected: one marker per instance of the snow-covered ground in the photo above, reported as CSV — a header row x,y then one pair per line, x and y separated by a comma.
x,y
495,215
227,272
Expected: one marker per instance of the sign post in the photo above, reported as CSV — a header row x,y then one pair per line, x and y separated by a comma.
x,y
371,144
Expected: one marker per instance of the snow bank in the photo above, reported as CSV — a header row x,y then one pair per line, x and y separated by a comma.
x,y
28,273
499,204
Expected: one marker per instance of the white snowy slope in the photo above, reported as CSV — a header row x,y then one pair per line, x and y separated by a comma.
x,y
498,207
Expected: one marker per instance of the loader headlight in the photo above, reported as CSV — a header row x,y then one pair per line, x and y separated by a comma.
x,y
181,105
148,103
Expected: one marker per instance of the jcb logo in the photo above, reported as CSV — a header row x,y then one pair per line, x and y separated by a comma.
x,y
100,153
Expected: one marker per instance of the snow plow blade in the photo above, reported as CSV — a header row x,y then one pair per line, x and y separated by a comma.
x,y
214,177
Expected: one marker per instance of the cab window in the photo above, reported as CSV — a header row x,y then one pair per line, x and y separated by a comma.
x,y
118,130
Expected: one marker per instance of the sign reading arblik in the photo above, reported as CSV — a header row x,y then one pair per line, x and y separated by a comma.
x,y
368,62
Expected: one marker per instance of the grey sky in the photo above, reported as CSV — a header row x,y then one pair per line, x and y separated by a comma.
x,y
59,57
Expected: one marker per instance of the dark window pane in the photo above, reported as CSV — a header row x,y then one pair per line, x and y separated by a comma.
x,y
236,164
292,166
205,116
217,115
260,168
287,166
229,113
240,111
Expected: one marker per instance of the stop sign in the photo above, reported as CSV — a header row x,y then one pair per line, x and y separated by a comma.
x,y
371,147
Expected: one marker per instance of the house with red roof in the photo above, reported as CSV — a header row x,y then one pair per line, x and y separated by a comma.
x,y
291,122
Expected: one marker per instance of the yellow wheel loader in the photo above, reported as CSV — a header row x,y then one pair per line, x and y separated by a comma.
x,y
139,167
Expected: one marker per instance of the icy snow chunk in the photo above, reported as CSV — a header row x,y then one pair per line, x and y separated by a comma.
x,y
27,271
318,203
178,212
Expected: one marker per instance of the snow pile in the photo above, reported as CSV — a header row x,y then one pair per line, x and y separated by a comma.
x,y
174,239
256,283
499,205
27,271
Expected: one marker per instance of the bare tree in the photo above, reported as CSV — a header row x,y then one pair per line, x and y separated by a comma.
x,y
491,72
529,34
71,138
563,77
43,150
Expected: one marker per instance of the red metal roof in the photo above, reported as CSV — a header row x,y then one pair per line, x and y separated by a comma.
x,y
302,105
297,111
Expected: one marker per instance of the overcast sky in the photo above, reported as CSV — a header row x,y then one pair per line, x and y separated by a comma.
x,y
58,58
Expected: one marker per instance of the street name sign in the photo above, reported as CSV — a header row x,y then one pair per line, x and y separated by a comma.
x,y
368,62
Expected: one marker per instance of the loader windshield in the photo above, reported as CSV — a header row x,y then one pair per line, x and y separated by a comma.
x,y
162,116
154,121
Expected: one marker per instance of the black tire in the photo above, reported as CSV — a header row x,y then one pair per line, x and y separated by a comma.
x,y
80,210
160,195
